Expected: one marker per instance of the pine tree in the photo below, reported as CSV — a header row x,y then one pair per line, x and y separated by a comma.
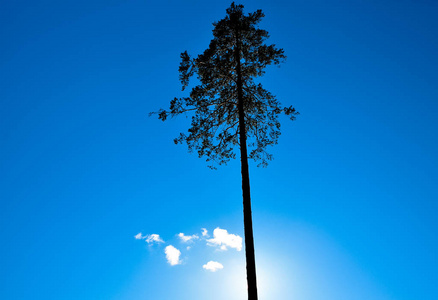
x,y
229,108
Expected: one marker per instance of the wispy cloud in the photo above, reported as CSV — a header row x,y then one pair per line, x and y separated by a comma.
x,y
223,239
172,255
213,266
187,238
150,238
205,232
153,238
139,236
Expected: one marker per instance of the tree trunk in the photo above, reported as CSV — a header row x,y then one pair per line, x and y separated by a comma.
x,y
247,218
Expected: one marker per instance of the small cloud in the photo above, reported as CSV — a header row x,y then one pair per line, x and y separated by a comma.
x,y
187,238
204,232
139,236
188,247
223,239
213,266
153,238
172,255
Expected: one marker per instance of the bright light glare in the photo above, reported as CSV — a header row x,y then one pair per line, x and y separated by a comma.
x,y
270,281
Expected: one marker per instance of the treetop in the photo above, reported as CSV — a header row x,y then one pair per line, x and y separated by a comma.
x,y
236,55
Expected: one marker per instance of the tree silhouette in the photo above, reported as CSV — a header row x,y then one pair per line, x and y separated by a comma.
x,y
229,108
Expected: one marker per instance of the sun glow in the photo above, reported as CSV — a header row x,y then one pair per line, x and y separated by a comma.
x,y
236,281
270,279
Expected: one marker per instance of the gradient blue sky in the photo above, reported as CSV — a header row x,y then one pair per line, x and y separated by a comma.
x,y
347,209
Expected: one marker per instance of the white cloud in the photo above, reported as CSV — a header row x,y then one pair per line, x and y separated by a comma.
x,y
213,266
139,236
187,238
151,238
172,255
223,239
205,232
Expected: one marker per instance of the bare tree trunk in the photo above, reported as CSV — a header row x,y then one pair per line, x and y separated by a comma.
x,y
247,215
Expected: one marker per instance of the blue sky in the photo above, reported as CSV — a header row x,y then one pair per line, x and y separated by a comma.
x,y
347,209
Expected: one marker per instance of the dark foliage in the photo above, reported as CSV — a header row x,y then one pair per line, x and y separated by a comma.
x,y
214,130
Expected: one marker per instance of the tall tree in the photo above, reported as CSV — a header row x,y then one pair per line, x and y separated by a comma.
x,y
229,108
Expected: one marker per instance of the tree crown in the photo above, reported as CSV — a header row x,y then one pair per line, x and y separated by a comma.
x,y
237,41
